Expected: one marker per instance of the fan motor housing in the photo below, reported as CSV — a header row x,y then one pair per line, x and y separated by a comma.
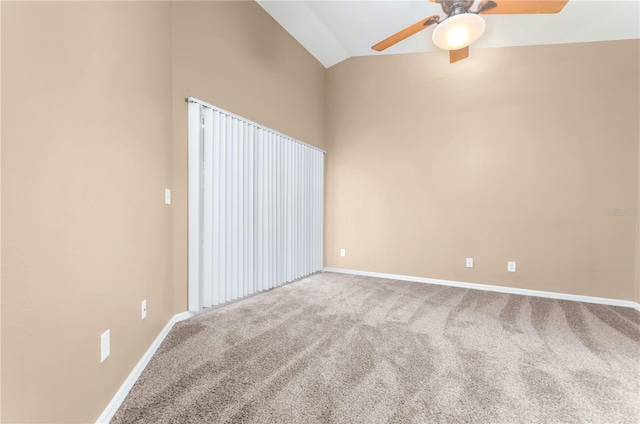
x,y
455,7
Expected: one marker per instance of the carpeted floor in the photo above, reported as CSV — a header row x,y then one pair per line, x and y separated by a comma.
x,y
337,348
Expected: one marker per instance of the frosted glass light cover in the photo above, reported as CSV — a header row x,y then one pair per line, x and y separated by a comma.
x,y
458,31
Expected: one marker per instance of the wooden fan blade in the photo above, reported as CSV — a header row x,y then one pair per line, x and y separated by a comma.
x,y
525,7
405,33
457,55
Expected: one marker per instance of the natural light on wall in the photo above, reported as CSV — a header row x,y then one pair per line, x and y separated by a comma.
x,y
458,31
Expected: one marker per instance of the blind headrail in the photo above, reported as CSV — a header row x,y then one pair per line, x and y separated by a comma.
x,y
226,112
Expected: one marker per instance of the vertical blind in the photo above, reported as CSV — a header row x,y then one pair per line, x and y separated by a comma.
x,y
255,207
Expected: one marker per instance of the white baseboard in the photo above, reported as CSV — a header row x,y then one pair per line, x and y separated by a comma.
x,y
487,287
123,391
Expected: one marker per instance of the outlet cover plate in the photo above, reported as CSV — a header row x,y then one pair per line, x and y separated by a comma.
x,y
511,266
469,262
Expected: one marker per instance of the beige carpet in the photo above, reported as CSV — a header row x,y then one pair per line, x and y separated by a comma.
x,y
337,348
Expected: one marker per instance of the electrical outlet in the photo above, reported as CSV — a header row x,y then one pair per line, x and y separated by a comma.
x,y
105,345
167,196
511,266
143,309
343,252
469,262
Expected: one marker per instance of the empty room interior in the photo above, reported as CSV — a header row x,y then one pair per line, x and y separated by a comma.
x,y
312,212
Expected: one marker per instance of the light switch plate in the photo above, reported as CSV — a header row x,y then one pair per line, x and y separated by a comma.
x,y
167,196
105,345
143,308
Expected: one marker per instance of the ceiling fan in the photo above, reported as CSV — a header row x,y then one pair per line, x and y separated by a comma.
x,y
462,26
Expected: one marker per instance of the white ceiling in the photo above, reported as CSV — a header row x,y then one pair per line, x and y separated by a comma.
x,y
333,31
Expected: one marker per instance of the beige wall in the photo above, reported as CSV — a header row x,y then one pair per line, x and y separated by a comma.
x,y
235,56
91,95
86,155
512,155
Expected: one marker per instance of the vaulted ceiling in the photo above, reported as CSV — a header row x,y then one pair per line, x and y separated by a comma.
x,y
333,31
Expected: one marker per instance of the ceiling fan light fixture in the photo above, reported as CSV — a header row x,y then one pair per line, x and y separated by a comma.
x,y
458,31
